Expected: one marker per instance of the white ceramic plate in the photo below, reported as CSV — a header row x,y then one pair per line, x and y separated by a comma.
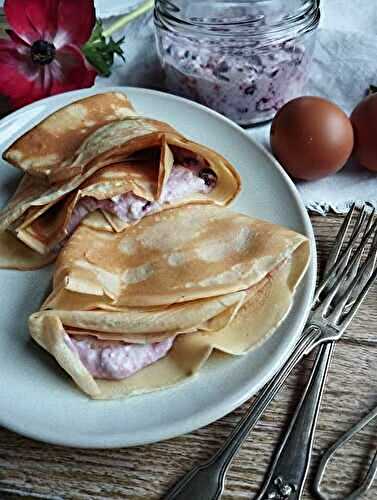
x,y
37,399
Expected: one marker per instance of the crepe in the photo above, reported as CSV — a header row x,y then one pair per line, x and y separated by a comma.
x,y
53,141
179,255
126,168
201,278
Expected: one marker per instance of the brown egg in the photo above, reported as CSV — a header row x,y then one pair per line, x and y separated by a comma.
x,y
311,137
364,121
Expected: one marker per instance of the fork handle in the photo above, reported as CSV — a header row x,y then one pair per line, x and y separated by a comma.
x,y
286,477
206,481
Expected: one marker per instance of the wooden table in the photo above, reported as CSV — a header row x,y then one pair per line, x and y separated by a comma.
x,y
29,469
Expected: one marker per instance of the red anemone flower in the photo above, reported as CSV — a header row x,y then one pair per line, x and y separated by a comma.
x,y
42,56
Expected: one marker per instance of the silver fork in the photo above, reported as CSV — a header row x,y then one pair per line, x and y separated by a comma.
x,y
292,459
325,324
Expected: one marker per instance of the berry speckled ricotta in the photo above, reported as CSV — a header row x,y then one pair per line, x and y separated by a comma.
x,y
243,59
247,88
183,181
114,360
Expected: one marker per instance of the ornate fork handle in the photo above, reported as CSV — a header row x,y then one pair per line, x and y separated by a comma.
x,y
206,481
286,477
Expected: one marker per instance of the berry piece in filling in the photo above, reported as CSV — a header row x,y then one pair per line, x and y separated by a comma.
x,y
208,176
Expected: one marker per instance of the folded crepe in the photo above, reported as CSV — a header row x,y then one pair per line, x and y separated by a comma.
x,y
52,143
90,157
144,309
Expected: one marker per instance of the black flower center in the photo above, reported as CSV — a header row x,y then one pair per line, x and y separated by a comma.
x,y
42,52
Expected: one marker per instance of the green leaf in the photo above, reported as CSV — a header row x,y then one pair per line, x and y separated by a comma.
x,y
100,51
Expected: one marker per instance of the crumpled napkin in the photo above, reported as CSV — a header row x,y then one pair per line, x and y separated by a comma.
x,y
344,65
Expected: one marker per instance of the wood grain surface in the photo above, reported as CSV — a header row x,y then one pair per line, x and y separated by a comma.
x,y
29,469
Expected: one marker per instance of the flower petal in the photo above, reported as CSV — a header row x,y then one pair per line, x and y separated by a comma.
x,y
23,81
33,19
19,42
16,56
6,44
19,78
70,70
76,21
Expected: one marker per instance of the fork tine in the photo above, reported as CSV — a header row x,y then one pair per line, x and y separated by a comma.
x,y
341,270
355,284
338,254
341,282
353,238
342,277
340,263
359,221
369,264
356,229
334,271
339,240
368,225
368,269
373,250
351,273
371,216
355,306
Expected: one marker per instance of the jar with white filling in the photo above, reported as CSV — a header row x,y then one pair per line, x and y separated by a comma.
x,y
243,58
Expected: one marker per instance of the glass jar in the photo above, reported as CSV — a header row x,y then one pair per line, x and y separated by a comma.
x,y
243,58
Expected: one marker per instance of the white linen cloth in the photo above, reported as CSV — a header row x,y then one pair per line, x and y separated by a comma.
x,y
344,66
107,8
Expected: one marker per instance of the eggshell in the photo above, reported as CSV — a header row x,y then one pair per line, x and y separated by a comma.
x,y
311,137
364,121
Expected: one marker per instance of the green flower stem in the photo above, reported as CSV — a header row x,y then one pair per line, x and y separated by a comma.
x,y
149,4
3,24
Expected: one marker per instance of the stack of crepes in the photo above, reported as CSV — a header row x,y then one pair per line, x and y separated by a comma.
x,y
139,303
98,156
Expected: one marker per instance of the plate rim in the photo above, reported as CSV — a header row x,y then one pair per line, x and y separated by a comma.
x,y
219,411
